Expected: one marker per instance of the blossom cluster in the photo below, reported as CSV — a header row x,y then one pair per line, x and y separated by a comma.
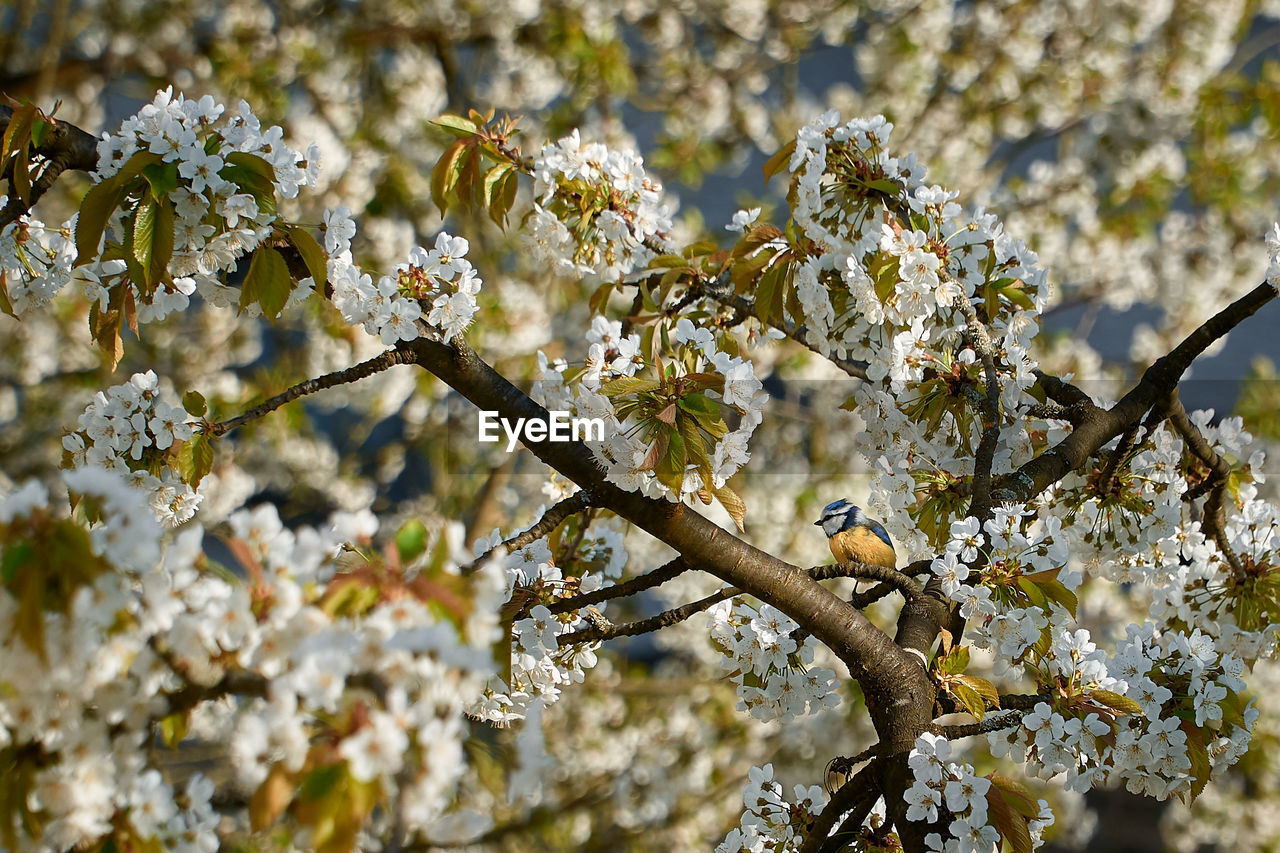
x,y
941,783
437,286
35,261
131,430
1183,700
596,210
770,821
627,451
774,674
153,635
1013,549
221,183
540,666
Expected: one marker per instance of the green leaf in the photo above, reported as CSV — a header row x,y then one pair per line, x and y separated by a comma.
x,y
134,166
506,198
173,729
884,186
444,177
253,182
770,294
669,262
6,305
40,130
195,404
985,689
268,282
969,699
1114,700
162,241
954,663
411,540
18,133
456,125
1033,592
1019,297
252,163
1055,591
670,468
312,254
144,227
699,405
600,298
95,209
628,385
1008,819
779,161
162,177
195,459
695,449
492,189
22,174
1199,755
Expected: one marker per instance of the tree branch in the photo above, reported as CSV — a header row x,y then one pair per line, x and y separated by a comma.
x,y
572,505
855,797
606,630
377,364
900,581
1100,426
64,147
1219,475
980,339
991,723
657,577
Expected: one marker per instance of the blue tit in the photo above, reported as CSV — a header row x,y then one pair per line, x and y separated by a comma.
x,y
853,536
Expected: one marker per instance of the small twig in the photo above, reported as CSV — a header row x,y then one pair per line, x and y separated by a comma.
x,y
377,364
1113,464
898,580
658,576
862,599
1022,701
980,339
1215,519
608,631
556,513
991,723
856,797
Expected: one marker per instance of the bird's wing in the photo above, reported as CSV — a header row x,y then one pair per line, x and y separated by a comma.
x,y
878,529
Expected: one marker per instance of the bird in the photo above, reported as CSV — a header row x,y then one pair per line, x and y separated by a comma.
x,y
854,536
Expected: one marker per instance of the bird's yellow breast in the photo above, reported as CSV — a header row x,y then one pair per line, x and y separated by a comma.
x,y
860,544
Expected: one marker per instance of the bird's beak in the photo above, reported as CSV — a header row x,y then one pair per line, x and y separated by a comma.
x,y
817,524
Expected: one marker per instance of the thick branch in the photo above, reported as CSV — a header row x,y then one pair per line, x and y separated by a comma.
x,y
377,364
1099,427
64,147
